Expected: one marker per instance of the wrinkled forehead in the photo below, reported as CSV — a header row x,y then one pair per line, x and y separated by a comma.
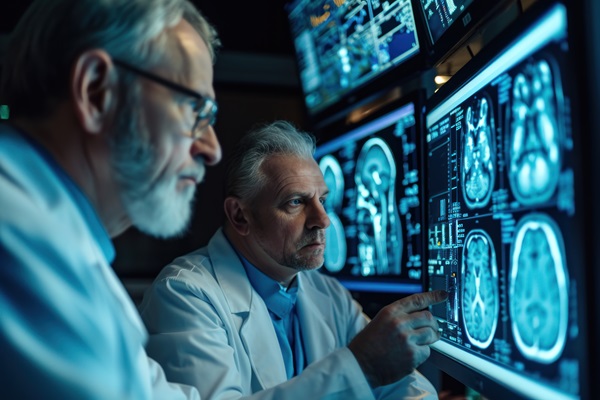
x,y
286,174
187,58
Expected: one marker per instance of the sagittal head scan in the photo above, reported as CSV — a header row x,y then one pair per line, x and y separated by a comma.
x,y
478,149
378,222
535,159
479,288
335,251
538,289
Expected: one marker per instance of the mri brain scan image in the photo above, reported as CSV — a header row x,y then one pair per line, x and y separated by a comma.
x,y
379,227
538,289
478,149
335,238
480,302
535,159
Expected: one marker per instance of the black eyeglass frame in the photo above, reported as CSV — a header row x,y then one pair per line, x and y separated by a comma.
x,y
205,109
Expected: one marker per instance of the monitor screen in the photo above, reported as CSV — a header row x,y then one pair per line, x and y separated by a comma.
x,y
342,45
440,14
373,172
449,23
503,221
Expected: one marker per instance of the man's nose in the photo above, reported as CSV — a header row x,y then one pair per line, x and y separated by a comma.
x,y
207,146
318,217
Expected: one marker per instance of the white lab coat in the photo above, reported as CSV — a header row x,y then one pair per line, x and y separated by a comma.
x,y
68,329
209,328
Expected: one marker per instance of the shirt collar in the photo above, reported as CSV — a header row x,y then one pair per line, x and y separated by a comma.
x,y
279,299
81,201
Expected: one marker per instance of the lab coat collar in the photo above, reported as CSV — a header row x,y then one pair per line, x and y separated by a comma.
x,y
230,273
315,311
249,312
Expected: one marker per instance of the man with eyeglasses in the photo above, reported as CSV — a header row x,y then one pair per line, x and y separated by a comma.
x,y
112,114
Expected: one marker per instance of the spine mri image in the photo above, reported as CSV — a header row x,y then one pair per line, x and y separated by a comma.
x,y
501,205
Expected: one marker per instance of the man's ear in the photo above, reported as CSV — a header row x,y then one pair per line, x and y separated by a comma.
x,y
236,215
92,89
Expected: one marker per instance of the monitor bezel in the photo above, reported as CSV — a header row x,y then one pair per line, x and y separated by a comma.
x,y
481,382
458,33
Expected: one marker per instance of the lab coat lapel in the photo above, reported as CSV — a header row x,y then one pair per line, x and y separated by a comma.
x,y
315,311
262,346
249,312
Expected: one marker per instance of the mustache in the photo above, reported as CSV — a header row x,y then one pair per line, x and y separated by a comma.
x,y
196,173
313,237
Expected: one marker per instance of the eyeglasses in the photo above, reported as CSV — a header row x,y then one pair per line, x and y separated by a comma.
x,y
205,108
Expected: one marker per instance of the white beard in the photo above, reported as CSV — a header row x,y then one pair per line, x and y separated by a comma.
x,y
156,208
163,212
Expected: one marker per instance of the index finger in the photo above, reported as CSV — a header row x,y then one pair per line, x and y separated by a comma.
x,y
420,301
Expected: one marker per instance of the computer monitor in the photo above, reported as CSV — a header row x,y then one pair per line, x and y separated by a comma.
x,y
505,216
373,173
346,48
449,22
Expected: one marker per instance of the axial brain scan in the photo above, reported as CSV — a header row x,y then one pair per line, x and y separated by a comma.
x,y
535,159
504,191
379,227
335,250
538,289
479,288
478,149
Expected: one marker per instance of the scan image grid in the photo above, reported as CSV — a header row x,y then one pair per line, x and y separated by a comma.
x,y
499,221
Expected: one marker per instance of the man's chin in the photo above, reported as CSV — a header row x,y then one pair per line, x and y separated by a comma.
x,y
162,221
309,264
163,230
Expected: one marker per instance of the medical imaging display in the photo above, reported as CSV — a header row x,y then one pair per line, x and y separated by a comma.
x,y
480,302
374,241
537,291
440,14
501,165
534,142
343,44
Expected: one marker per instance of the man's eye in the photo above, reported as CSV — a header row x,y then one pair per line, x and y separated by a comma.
x,y
194,105
295,202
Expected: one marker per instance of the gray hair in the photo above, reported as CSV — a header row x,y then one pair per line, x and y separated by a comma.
x,y
53,33
244,175
206,31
